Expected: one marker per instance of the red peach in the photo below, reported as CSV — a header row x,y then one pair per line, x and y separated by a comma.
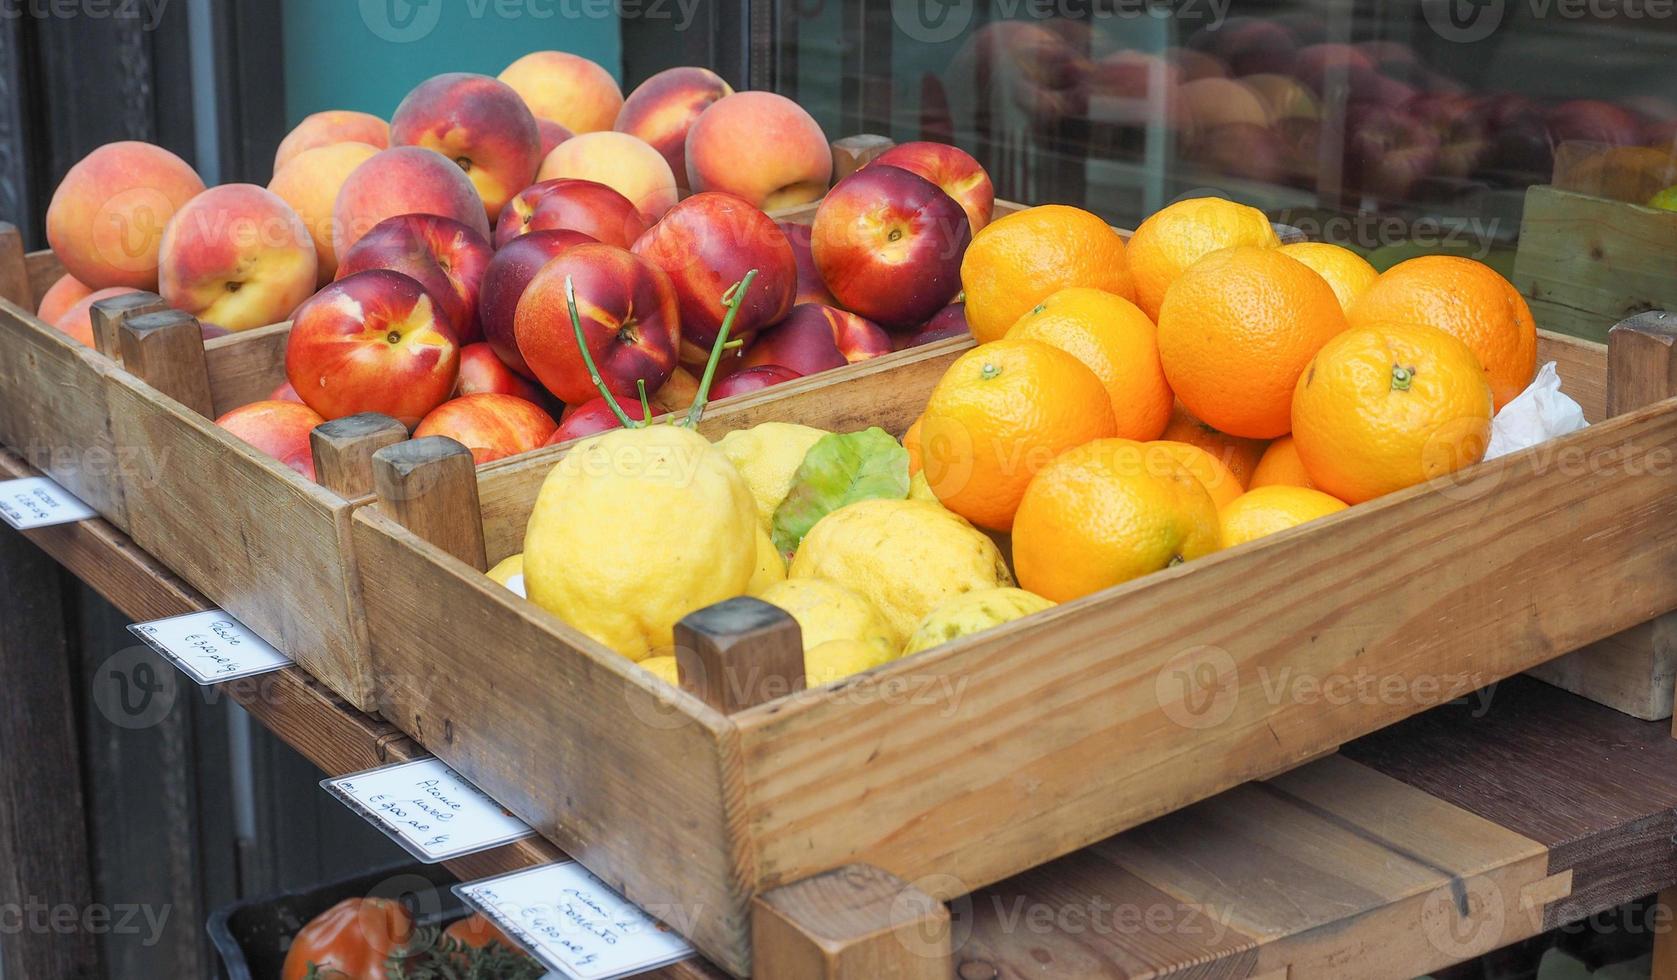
x,y
576,205
491,425
810,287
570,90
762,147
277,428
446,257
622,162
481,124
708,243
373,342
595,416
107,217
752,379
64,293
329,127
817,338
237,256
482,373
552,134
510,271
663,108
77,320
310,182
404,180
952,169
629,318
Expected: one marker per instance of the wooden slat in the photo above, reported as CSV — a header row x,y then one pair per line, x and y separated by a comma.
x,y
1664,966
14,273
739,653
1584,263
166,350
44,269
429,486
1582,366
108,316
246,367
854,923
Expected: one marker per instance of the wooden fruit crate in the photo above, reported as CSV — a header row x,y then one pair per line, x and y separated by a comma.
x,y
1584,262
964,764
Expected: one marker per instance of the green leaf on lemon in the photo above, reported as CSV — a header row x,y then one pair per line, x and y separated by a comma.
x,y
840,469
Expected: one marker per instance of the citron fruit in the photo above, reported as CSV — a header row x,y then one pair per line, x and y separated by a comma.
x,y
1019,260
1266,510
634,529
1348,274
770,567
1236,330
1116,341
509,572
1218,479
838,659
768,456
1280,466
999,414
904,556
973,612
1239,455
1105,513
1466,299
826,610
664,668
1380,409
1178,235
919,489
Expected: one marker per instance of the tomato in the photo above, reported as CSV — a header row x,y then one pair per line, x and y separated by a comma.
x,y
353,937
477,932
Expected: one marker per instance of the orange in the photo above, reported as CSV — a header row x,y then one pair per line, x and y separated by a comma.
x,y
1175,237
1019,260
1281,466
1217,479
1114,339
1466,299
1239,455
1105,513
1266,510
1348,274
1382,409
1002,412
1236,329
911,442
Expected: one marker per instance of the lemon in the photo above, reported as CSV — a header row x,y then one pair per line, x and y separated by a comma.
x,y
510,573
768,456
771,568
664,669
973,612
838,659
636,528
827,611
919,489
905,556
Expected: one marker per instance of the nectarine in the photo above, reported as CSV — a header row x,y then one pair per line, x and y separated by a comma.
x,y
491,425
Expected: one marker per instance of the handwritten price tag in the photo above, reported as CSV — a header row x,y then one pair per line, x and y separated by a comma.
x,y
574,923
210,646
428,809
36,501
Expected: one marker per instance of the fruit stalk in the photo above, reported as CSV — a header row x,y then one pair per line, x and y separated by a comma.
x,y
734,298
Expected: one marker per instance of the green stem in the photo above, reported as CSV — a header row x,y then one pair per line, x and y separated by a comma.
x,y
734,298
588,361
646,405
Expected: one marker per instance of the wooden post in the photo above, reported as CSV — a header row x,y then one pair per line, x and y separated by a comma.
x,y
108,316
343,451
739,653
852,153
853,923
1641,361
1664,966
429,486
166,351
14,272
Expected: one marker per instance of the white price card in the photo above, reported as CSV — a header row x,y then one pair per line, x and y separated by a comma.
x,y
36,501
428,809
210,646
574,923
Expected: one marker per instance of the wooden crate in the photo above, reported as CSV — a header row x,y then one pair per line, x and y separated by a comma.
x,y
1584,263
962,765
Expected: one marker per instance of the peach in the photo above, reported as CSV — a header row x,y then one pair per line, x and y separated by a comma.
x,y
952,169
482,372
107,217
567,204
817,338
310,182
889,243
492,426
479,123
509,272
552,134
279,428
64,293
332,126
404,180
663,108
238,257
762,147
570,90
77,319
446,257
810,287
627,164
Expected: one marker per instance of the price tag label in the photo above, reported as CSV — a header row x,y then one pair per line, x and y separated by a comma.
x,y
36,501
210,646
428,809
574,923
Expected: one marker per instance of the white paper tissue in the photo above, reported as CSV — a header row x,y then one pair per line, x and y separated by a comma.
x,y
1540,412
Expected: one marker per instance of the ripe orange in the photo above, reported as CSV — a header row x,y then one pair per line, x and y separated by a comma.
x,y
1280,466
1239,455
1105,513
1467,300
1175,237
1266,510
1018,261
1217,479
1002,412
911,442
1381,409
1346,272
1236,330
1115,340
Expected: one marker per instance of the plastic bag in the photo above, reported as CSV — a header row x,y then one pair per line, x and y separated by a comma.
x,y
1539,413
